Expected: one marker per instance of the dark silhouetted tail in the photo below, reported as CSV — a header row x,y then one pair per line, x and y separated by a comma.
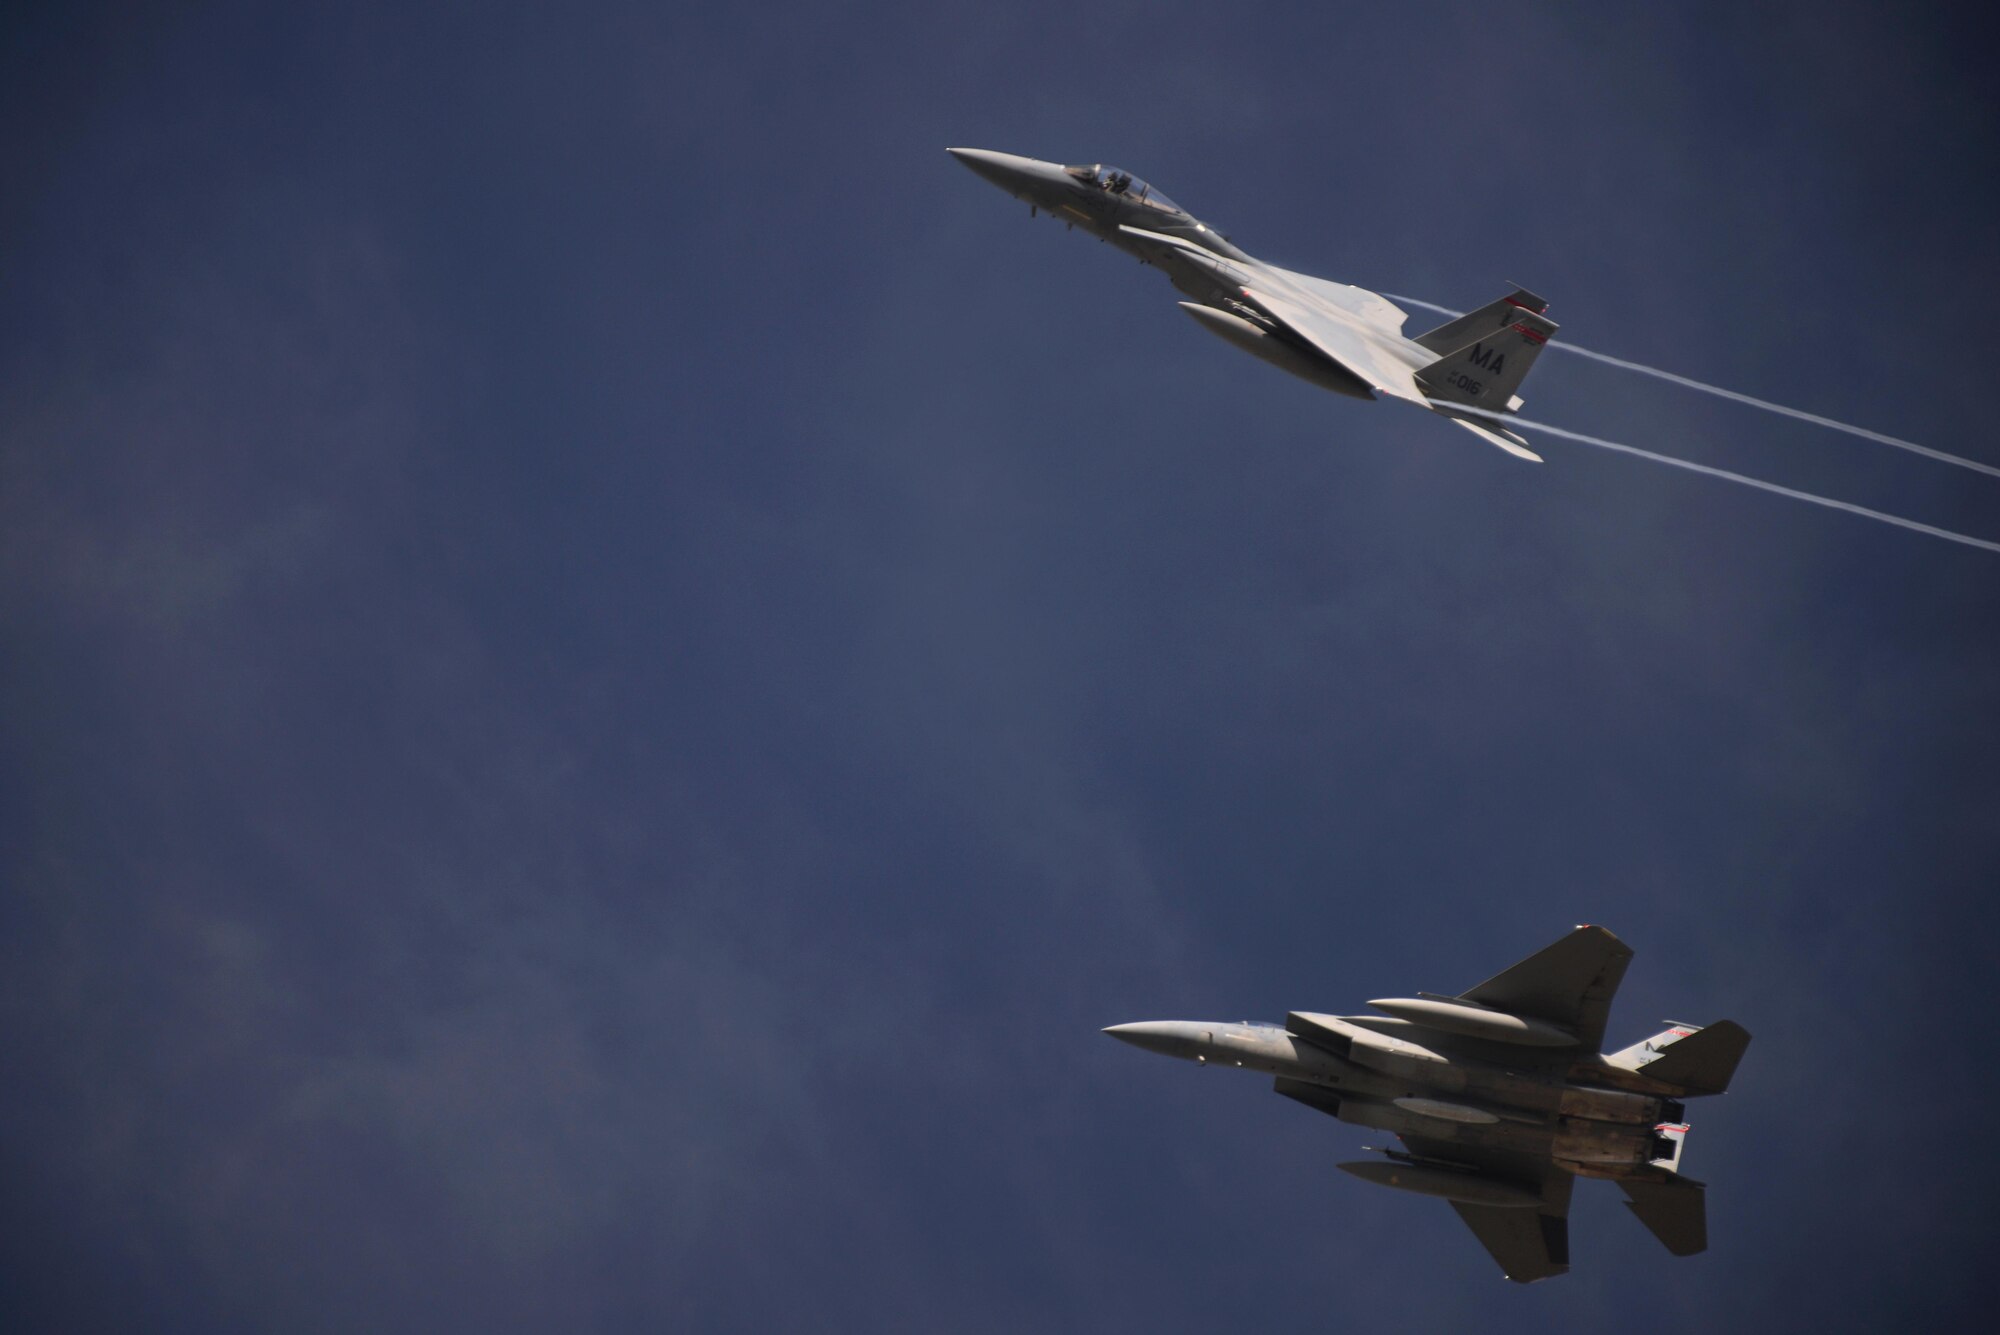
x,y
1702,1062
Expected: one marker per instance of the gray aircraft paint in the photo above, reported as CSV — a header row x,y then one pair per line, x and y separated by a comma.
x,y
1343,338
1499,1094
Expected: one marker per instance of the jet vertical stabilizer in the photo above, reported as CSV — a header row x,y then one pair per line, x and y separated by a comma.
x,y
1485,372
1455,333
1649,1049
1702,1062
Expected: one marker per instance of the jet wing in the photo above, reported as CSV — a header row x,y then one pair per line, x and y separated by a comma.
x,y
1570,984
1528,1244
1372,307
1358,301
1348,325
1336,333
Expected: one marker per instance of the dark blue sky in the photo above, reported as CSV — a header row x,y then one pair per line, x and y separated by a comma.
x,y
611,665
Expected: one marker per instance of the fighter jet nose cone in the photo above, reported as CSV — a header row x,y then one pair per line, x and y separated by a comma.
x,y
1172,1037
1009,171
981,161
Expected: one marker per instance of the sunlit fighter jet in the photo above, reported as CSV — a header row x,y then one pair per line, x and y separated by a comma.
x,y
1346,339
1499,1095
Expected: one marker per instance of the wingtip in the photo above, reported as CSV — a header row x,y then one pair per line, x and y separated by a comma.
x,y
1513,444
1484,427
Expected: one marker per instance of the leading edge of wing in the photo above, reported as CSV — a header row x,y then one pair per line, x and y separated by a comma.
x,y
1569,982
1337,340
1528,1244
1370,306
1342,344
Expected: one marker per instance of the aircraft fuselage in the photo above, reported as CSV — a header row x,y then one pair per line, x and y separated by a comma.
x,y
1099,199
1334,335
1393,1076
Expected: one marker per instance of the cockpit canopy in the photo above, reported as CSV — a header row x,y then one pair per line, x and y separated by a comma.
x,y
1124,185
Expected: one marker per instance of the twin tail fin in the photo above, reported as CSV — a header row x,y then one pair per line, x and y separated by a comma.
x,y
1488,319
1697,1061
1485,371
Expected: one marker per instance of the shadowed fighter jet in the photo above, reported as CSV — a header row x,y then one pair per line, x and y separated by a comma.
x,y
1500,1095
1346,339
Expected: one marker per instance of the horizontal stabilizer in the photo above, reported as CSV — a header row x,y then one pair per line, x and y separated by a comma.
x,y
1703,1062
1676,1211
1494,434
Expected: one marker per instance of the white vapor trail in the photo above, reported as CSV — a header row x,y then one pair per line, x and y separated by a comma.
x,y
1720,392
1728,476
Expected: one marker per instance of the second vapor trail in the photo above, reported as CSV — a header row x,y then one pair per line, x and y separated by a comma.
x,y
1754,402
1810,498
